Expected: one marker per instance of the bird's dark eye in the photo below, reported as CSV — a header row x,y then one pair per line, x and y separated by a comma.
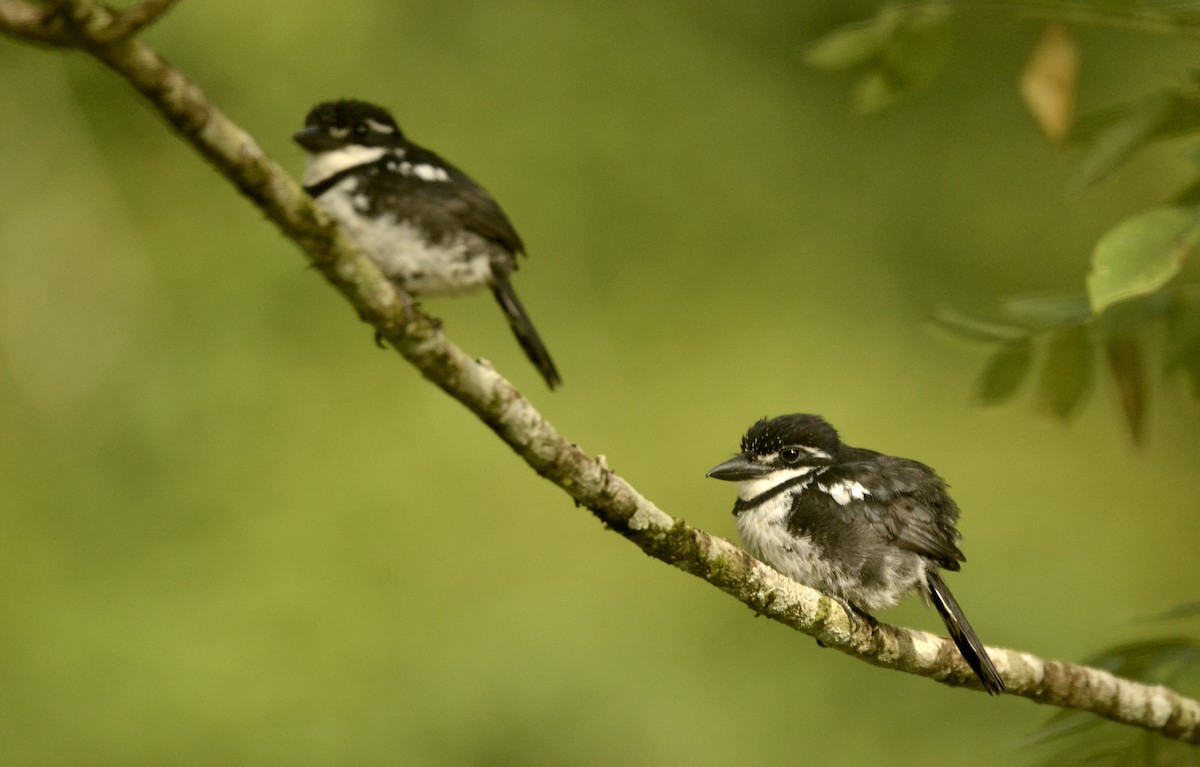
x,y
361,130
790,455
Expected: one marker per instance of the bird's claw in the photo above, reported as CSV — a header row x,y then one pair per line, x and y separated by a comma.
x,y
408,308
862,621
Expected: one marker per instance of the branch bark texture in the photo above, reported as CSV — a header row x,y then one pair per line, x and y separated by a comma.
x,y
109,36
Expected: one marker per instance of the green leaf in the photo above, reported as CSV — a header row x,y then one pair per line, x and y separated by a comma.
x,y
1184,610
1125,363
974,328
1183,116
900,50
918,48
1191,370
1067,372
1005,371
875,90
1073,737
1134,314
1046,310
852,45
1114,135
1141,254
1183,339
1189,195
1152,661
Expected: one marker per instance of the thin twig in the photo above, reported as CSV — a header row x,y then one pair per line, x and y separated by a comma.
x,y
1145,20
136,18
30,23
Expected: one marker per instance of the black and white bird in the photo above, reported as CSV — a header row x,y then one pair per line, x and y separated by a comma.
x,y
430,228
862,527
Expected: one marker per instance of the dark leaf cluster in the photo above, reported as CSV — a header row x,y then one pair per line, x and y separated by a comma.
x,y
1074,738
1133,302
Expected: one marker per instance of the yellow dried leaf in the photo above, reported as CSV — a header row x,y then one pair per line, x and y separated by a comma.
x,y
1049,80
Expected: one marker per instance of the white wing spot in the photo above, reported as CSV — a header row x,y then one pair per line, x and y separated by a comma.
x,y
427,172
844,492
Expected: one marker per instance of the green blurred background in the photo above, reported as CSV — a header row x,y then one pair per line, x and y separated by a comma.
x,y
233,531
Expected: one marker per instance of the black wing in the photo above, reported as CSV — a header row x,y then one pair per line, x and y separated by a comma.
x,y
441,205
907,503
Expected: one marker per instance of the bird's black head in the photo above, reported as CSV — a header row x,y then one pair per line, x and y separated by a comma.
x,y
798,430
336,124
781,444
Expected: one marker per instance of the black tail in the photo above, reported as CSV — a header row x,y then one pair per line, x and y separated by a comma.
x,y
522,328
973,651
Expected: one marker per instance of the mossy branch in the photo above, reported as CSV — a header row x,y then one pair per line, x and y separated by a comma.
x,y
109,36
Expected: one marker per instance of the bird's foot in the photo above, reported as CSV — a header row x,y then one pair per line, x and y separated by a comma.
x,y
408,309
862,621
407,305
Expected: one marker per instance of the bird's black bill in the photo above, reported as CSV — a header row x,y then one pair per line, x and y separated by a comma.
x,y
738,469
973,651
312,138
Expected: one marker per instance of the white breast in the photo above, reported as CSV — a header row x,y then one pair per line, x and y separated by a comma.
x,y
764,533
458,265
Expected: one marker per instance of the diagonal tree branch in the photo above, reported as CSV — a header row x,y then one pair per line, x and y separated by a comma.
x,y
107,36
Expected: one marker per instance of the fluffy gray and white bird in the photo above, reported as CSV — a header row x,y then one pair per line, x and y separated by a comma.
x,y
862,527
431,229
